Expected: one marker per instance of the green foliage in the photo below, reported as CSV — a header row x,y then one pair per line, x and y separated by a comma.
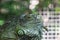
x,y
14,7
1,22
58,2
44,3
57,9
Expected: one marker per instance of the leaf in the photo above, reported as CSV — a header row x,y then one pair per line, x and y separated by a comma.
x,y
57,9
2,22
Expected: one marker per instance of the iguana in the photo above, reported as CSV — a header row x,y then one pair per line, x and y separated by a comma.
x,y
20,24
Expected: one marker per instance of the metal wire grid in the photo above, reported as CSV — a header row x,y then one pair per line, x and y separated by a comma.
x,y
53,26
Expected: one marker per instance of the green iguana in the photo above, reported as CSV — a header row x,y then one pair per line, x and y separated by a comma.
x,y
19,25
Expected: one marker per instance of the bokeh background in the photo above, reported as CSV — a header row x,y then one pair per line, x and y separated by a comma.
x,y
51,17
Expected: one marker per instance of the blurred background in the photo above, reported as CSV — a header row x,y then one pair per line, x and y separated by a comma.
x,y
50,11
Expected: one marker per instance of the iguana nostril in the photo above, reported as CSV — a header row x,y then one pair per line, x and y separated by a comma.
x,y
20,32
